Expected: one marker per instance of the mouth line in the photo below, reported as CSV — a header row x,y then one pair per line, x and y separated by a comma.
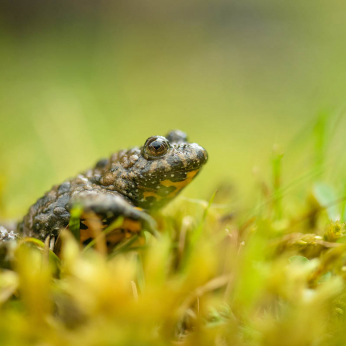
x,y
146,188
179,171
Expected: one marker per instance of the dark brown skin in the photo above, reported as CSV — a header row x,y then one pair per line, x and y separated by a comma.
x,y
131,183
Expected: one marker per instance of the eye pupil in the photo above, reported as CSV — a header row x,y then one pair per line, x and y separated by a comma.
x,y
156,145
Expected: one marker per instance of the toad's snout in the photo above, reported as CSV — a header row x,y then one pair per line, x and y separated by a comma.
x,y
201,153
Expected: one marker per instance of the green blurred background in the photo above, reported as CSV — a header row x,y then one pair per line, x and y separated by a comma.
x,y
81,79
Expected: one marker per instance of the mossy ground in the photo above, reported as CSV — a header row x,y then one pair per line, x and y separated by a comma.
x,y
273,274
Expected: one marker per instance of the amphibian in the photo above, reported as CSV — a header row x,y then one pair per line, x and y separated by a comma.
x,y
131,183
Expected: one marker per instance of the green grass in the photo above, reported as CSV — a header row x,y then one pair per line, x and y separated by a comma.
x,y
272,273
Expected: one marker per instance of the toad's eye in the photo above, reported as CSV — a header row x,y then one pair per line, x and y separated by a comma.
x,y
155,147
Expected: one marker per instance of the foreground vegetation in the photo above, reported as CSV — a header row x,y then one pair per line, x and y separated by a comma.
x,y
271,275
208,280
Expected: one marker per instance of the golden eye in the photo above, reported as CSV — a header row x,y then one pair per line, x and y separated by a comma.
x,y
155,146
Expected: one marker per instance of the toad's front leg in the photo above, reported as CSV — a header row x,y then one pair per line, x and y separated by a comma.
x,y
109,207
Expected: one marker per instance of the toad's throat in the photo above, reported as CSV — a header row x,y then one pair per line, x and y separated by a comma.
x,y
175,186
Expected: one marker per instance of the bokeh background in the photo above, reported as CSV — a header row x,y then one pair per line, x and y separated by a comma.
x,y
81,79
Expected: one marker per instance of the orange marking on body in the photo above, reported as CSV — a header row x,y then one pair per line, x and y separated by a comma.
x,y
115,237
131,225
127,229
150,194
94,230
168,183
179,184
86,234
